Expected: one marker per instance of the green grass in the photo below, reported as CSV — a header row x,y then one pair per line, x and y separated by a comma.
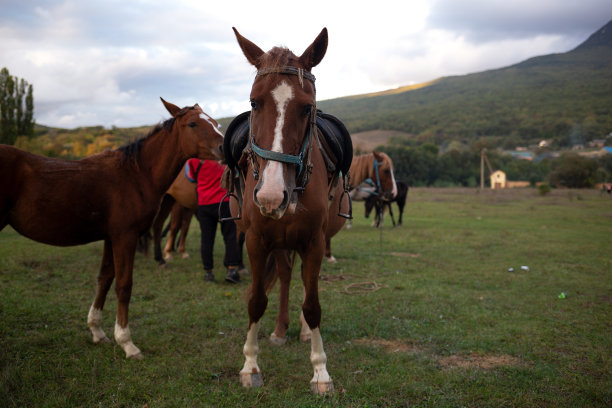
x,y
449,325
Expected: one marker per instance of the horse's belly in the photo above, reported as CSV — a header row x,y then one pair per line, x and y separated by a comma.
x,y
66,230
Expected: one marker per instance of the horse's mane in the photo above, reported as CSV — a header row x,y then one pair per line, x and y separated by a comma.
x,y
278,57
131,151
361,167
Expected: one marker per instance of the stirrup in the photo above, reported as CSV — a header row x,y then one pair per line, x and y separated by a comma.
x,y
345,183
228,194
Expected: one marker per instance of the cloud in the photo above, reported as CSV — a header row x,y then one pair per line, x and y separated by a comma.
x,y
108,62
492,20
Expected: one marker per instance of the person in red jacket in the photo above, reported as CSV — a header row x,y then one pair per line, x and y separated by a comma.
x,y
210,196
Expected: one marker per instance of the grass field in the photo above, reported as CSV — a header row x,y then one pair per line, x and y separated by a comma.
x,y
423,315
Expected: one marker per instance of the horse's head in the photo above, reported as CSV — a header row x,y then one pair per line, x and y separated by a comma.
x,y
283,103
199,134
382,174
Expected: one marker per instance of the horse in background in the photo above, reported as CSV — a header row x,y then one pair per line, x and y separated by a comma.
x,y
112,196
374,202
284,199
180,203
375,166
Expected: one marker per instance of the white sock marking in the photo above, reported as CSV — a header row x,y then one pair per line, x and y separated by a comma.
x,y
124,339
94,322
250,351
318,358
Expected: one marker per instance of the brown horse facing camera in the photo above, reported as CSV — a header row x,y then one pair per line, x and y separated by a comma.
x,y
111,196
287,204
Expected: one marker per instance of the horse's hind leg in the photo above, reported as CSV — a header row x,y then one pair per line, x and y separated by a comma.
x,y
123,251
283,270
185,217
105,279
158,224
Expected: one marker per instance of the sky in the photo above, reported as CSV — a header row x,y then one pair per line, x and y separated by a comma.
x,y
107,62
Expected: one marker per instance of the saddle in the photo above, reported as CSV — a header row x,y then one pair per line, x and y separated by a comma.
x,y
335,141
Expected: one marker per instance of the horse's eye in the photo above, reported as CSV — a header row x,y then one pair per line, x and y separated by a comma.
x,y
192,124
306,110
254,105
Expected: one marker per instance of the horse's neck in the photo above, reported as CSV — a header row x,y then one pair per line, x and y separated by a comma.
x,y
360,169
161,158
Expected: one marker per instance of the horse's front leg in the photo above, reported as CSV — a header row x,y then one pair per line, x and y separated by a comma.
x,y
250,375
283,270
105,280
321,383
123,251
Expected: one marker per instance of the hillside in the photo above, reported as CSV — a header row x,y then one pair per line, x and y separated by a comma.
x,y
564,97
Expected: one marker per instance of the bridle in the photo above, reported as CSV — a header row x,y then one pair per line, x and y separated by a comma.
x,y
301,160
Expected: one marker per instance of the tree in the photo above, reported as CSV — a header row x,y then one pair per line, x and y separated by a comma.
x,y
16,108
574,171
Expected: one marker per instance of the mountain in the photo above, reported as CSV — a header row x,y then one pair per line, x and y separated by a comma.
x,y
564,97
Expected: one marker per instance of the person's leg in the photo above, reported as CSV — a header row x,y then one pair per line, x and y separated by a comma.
x,y
231,259
208,227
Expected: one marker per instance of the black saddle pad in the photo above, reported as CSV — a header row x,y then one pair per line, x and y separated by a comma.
x,y
235,139
332,129
338,139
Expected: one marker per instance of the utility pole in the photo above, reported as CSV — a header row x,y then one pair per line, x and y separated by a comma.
x,y
482,155
483,159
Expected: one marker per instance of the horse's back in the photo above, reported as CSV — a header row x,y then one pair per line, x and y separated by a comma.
x,y
58,202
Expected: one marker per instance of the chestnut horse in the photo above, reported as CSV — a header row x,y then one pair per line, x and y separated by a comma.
x,y
286,206
378,167
111,196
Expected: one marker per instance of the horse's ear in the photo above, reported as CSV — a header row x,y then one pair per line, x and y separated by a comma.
x,y
315,51
378,156
251,51
172,108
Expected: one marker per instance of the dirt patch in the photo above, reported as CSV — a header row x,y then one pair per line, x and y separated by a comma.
x,y
390,346
404,254
474,360
484,362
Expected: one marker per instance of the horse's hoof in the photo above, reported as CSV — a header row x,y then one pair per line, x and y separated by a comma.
x,y
250,380
168,257
322,388
163,265
137,356
332,259
305,338
278,341
101,340
185,255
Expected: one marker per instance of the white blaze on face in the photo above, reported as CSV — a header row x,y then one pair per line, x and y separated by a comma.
x,y
271,193
282,94
394,192
209,120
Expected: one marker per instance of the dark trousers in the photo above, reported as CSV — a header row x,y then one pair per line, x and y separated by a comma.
x,y
208,216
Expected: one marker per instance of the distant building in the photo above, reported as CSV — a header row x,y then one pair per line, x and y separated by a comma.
x,y
498,179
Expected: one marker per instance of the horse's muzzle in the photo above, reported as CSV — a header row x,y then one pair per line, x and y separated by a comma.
x,y
271,206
